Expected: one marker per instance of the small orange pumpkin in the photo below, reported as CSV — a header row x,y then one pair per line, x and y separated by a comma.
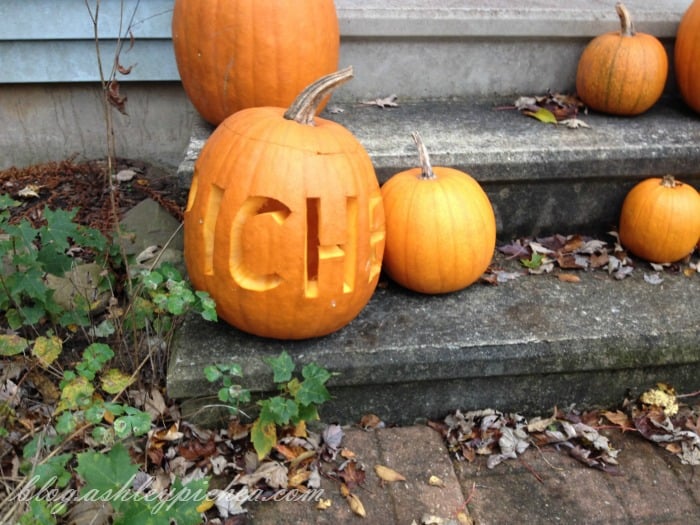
x,y
622,73
687,56
440,227
284,224
235,54
660,220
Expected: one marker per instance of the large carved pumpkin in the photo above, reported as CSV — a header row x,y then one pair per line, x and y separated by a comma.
x,y
686,55
284,225
235,54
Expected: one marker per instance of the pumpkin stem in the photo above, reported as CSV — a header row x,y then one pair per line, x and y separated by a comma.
x,y
303,109
668,181
626,25
426,168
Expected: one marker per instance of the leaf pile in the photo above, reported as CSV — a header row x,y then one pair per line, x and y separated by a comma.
x,y
503,436
553,108
571,253
656,415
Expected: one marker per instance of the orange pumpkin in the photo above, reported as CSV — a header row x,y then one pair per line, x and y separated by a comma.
x,y
622,73
440,228
660,220
284,224
687,56
235,54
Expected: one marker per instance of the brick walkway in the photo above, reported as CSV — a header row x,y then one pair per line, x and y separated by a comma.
x,y
542,486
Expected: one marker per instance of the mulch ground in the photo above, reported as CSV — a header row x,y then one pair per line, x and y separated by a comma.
x,y
84,185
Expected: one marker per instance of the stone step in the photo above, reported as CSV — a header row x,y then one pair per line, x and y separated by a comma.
x,y
541,178
523,345
424,49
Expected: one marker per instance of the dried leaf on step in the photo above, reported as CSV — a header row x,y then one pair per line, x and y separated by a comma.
x,y
324,504
435,481
618,418
388,474
574,123
568,278
386,102
653,278
371,421
356,505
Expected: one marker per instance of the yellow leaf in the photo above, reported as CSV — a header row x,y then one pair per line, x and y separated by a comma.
x,y
387,474
434,481
47,349
205,505
75,395
115,381
356,505
543,115
323,504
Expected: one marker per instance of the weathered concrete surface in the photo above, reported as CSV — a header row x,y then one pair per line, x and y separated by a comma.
x,y
522,345
540,178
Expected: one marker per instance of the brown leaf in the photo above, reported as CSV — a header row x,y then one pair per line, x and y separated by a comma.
x,y
618,418
194,450
371,421
351,474
569,278
115,98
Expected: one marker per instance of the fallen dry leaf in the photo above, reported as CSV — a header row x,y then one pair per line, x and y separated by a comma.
x,y
434,481
387,474
386,102
356,505
568,278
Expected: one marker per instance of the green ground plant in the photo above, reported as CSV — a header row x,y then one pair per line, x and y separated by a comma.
x,y
296,403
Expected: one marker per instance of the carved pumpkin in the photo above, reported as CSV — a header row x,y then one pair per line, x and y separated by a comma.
x,y
687,56
440,228
235,54
660,220
284,224
622,73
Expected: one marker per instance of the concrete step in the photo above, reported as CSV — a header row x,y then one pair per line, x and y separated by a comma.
x,y
424,49
540,178
523,345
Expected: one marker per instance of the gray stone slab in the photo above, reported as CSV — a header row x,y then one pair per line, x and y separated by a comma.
x,y
522,345
540,178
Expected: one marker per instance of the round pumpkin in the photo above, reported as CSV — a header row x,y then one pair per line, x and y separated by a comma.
x,y
686,55
660,220
235,54
284,224
622,73
440,227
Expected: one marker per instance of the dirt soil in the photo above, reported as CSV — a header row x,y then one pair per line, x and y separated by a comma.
x,y
69,184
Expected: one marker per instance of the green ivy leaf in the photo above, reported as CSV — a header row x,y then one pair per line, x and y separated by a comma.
x,y
133,421
94,358
263,435
279,409
38,513
534,262
50,472
60,227
106,474
282,367
12,344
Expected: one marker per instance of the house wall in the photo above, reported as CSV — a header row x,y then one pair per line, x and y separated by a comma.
x,y
50,105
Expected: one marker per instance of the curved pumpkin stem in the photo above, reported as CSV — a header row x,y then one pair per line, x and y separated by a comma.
x,y
425,167
303,109
626,25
